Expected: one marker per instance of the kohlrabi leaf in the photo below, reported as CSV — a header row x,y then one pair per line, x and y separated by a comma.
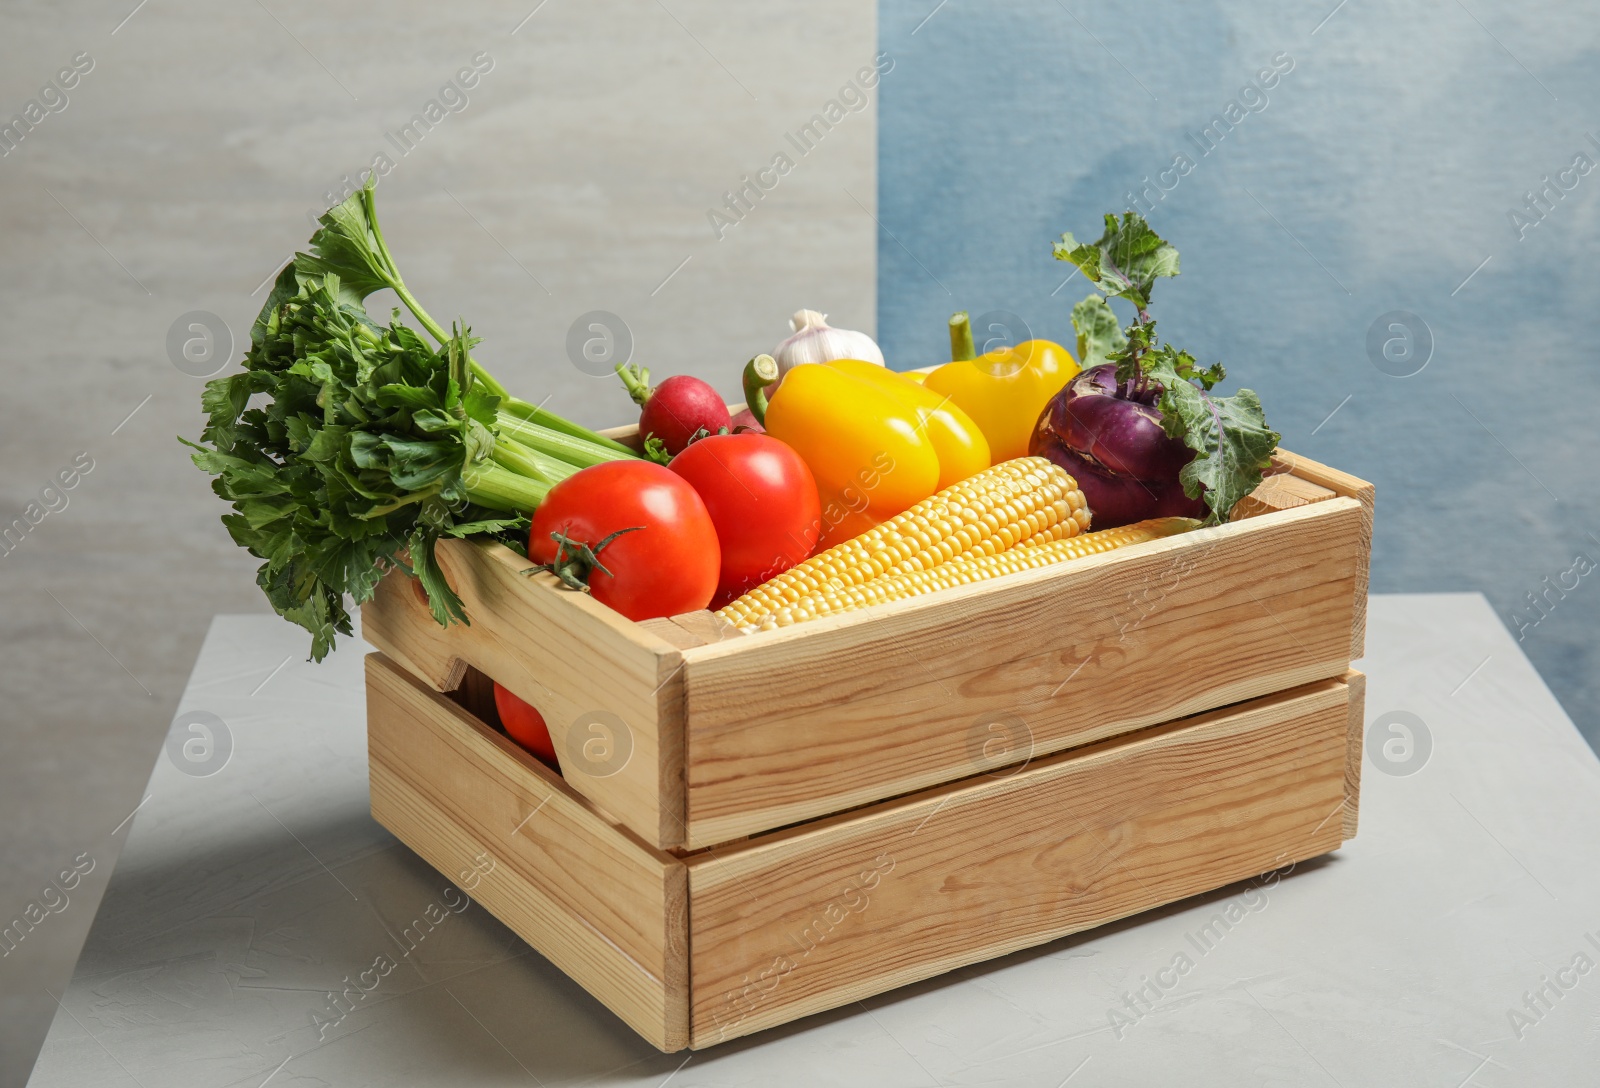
x,y
1126,261
1099,333
1233,444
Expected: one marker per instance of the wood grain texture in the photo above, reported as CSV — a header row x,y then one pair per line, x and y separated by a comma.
x,y
577,661
1279,493
706,627
1355,746
599,903
1353,487
667,631
793,724
816,917
692,629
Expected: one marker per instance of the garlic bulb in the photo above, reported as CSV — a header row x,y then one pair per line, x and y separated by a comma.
x,y
815,341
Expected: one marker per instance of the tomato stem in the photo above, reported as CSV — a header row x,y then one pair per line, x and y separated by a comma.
x,y
575,567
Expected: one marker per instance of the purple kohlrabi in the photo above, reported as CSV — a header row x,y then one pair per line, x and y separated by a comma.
x,y
1110,438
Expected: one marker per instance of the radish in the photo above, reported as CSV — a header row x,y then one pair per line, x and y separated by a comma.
x,y
675,411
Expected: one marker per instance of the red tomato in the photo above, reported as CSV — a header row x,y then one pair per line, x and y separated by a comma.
x,y
524,724
763,501
666,565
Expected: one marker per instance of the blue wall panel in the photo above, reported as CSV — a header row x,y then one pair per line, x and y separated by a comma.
x,y
1376,176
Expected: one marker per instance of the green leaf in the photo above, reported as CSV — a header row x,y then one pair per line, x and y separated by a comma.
x,y
1125,262
1099,332
497,527
442,600
656,450
347,246
481,405
284,288
415,464
341,446
1233,444
477,442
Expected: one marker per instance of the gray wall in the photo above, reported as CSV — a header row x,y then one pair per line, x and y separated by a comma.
x,y
177,178
1379,174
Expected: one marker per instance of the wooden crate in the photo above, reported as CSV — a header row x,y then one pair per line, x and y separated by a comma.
x,y
690,734
694,948
751,828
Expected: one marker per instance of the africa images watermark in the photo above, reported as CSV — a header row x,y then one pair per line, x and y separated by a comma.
x,y
738,1004
853,97
52,98
52,500
1140,1003
1252,98
338,1004
451,98
1539,603
53,900
1538,203
1542,1000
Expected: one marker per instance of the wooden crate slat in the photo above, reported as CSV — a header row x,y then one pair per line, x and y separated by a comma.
x,y
604,907
1342,483
564,653
779,732
1355,745
1283,492
816,917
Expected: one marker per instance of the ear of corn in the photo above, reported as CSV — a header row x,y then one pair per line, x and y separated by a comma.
x,y
976,567
1028,499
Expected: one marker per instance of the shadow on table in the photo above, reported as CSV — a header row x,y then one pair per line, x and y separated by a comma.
x,y
296,944
282,936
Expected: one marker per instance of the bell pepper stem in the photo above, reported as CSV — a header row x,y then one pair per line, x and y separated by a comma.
x,y
759,373
961,345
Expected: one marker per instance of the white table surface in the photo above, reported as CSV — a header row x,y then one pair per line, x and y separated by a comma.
x,y
243,898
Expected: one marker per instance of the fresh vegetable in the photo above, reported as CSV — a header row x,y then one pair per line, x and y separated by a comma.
x,y
815,341
863,443
960,445
966,569
524,724
1003,390
763,501
1111,439
632,533
674,411
876,441
347,447
1144,432
1015,502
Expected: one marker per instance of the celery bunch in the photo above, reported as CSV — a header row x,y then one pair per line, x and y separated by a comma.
x,y
346,447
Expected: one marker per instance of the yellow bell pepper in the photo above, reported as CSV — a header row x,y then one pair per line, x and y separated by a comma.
x,y
1004,390
962,448
877,443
